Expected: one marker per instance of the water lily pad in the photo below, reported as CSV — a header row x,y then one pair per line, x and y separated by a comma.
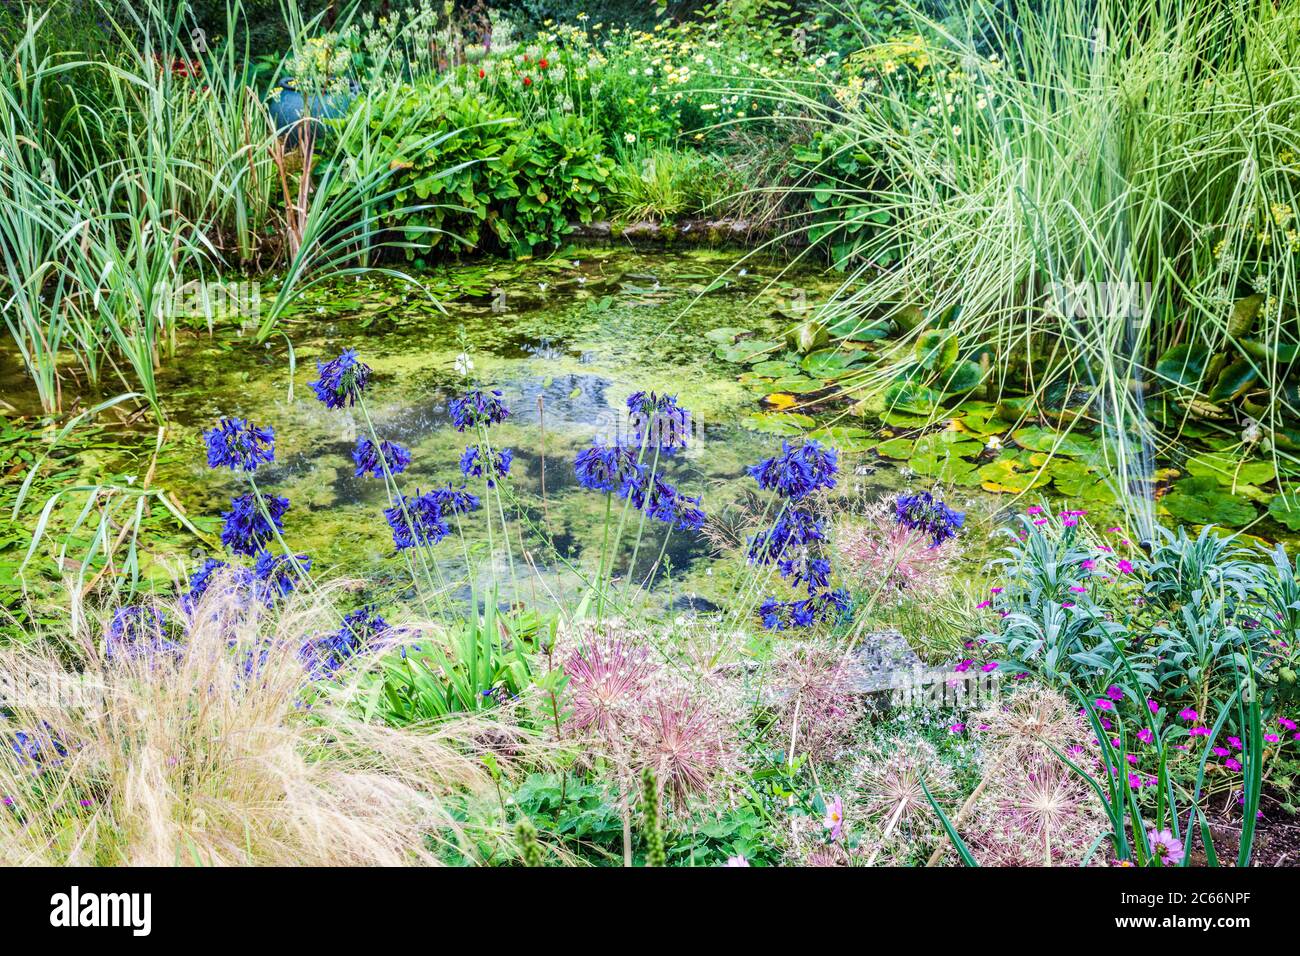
x,y
751,350
784,424
911,397
844,437
726,335
962,378
898,448
858,330
1203,501
1184,364
936,350
1075,479
798,384
1037,438
1012,474
829,363
1285,508
1231,469
776,369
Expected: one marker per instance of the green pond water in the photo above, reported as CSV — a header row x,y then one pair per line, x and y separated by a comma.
x,y
566,340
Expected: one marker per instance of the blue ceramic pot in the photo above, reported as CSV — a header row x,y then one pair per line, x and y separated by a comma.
x,y
288,107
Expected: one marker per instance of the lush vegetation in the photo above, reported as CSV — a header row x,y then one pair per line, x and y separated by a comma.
x,y
995,568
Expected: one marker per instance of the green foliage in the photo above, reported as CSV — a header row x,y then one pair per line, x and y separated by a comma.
x,y
467,171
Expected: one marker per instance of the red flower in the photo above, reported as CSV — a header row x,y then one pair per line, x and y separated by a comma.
x,y
528,81
481,74
541,64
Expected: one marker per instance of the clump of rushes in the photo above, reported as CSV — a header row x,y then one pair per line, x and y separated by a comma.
x,y
655,852
342,380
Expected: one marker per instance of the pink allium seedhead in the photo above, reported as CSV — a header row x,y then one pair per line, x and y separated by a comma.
x,y
687,744
1034,813
813,696
607,682
891,559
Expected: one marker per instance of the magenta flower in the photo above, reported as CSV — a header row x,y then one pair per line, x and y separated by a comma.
x,y
1188,714
1199,732
1033,510
1286,724
1272,738
1104,704
990,666
1153,706
834,818
956,728
1145,735
1114,693
1235,741
1078,588
1232,763
1165,847
1125,566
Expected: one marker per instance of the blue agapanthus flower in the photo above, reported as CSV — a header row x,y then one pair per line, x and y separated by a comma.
x,y
663,502
476,408
923,512
658,421
276,576
366,457
793,528
37,750
797,472
825,605
199,583
807,570
324,656
606,468
246,530
239,445
136,631
471,464
421,519
342,380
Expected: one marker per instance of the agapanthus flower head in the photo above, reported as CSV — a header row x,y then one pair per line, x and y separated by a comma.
x,y
803,568
605,468
239,445
793,528
476,408
277,575
38,750
137,631
367,458
471,464
246,529
658,421
797,472
342,380
421,519
360,631
925,513
657,498
199,582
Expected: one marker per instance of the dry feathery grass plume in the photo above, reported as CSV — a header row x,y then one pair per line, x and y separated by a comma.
x,y
217,749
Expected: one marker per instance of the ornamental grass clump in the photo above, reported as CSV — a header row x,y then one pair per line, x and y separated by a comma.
x,y
204,753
